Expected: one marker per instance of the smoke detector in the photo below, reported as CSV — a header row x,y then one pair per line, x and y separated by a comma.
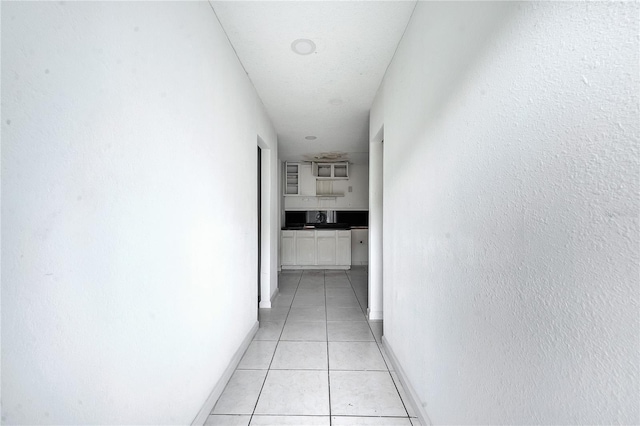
x,y
303,46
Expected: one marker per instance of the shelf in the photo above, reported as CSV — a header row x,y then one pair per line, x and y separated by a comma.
x,y
291,184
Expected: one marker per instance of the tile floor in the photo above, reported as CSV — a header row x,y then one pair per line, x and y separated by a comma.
x,y
315,360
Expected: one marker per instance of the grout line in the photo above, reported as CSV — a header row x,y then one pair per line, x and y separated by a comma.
x,y
326,327
273,356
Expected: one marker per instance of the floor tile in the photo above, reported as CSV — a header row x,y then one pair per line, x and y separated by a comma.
x,y
403,395
273,314
349,331
227,420
241,393
295,392
343,302
415,422
345,314
376,328
258,355
283,300
370,421
290,420
269,330
311,291
307,301
300,356
355,356
311,282
287,289
364,393
340,292
310,314
342,284
288,281
305,331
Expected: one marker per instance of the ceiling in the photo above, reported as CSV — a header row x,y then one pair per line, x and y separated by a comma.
x,y
328,92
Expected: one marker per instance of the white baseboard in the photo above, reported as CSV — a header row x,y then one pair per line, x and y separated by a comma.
x,y
206,409
297,267
374,315
266,304
410,391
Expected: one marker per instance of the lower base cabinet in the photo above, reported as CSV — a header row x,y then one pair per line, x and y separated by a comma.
x,y
305,248
317,249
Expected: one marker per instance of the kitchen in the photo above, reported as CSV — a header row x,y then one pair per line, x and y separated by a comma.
x,y
325,213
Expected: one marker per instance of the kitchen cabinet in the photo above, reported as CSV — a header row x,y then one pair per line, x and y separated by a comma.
x,y
288,248
326,248
305,248
359,246
315,249
298,180
331,170
292,179
343,248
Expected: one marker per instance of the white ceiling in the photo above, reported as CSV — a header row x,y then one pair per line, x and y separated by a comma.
x,y
328,93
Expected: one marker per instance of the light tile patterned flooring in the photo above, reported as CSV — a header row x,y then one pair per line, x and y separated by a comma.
x,y
315,360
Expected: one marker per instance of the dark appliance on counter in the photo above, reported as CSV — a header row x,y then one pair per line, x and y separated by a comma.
x,y
321,216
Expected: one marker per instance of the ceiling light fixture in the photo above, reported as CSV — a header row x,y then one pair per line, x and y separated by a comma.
x,y
303,46
311,138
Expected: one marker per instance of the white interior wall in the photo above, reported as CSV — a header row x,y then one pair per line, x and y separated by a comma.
x,y
376,154
511,235
129,220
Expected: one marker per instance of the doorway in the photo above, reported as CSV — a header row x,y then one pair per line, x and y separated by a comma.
x,y
376,184
259,215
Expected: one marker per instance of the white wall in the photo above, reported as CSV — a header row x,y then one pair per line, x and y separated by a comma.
x,y
357,199
511,235
128,210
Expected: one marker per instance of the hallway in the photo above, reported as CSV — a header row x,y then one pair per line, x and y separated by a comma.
x,y
322,361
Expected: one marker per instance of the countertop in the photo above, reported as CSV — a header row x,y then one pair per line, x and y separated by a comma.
x,y
322,227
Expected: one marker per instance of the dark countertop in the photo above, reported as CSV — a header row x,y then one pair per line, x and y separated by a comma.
x,y
317,226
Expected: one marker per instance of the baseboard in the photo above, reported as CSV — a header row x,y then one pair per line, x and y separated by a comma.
x,y
206,409
410,391
374,315
296,267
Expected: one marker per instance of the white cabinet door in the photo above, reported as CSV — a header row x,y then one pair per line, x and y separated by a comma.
x,y
326,243
305,248
288,248
307,181
344,248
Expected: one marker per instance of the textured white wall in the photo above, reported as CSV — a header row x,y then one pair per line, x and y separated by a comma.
x,y
511,235
128,210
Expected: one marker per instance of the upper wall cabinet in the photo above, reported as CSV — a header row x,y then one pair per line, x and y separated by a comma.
x,y
331,170
292,179
298,179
